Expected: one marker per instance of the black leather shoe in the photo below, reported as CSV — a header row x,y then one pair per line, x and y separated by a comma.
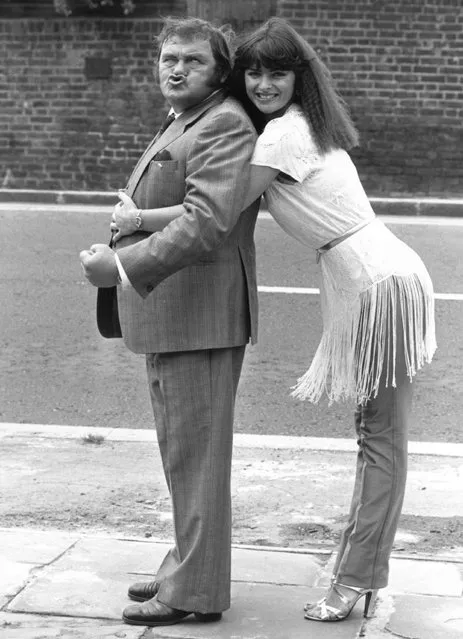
x,y
155,613
143,590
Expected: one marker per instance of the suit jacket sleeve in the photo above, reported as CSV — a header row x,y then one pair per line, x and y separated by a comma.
x,y
217,180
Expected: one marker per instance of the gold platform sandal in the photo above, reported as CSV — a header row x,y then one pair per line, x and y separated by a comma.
x,y
322,611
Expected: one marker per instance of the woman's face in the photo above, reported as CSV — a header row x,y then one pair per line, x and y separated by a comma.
x,y
270,90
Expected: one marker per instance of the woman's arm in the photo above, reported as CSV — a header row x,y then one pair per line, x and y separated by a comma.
x,y
260,180
156,219
127,219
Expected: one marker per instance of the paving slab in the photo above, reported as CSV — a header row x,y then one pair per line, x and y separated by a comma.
x,y
260,566
34,546
13,577
264,611
90,580
426,577
19,626
259,611
80,590
426,617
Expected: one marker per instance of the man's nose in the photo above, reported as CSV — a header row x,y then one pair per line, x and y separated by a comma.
x,y
180,68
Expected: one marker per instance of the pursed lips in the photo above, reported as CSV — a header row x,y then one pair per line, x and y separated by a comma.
x,y
176,80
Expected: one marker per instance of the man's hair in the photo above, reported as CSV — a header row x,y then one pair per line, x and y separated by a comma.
x,y
191,29
277,45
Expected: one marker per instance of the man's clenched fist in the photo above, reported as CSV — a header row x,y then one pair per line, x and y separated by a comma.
x,y
99,265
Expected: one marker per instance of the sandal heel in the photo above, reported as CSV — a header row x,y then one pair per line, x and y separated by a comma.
x,y
367,603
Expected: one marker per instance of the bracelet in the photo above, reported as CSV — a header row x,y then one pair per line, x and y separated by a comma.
x,y
138,220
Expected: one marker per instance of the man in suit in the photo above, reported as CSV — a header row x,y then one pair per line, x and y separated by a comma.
x,y
188,299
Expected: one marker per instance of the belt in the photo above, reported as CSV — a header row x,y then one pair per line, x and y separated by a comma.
x,y
338,240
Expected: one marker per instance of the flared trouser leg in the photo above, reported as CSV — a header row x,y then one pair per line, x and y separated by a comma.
x,y
193,396
379,488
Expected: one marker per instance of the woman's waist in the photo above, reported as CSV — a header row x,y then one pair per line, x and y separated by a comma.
x,y
369,255
344,236
315,226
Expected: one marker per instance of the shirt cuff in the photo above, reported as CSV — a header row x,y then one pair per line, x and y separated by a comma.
x,y
122,274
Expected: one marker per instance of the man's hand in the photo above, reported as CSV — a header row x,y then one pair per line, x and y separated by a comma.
x,y
99,266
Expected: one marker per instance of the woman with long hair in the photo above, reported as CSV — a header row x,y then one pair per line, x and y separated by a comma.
x,y
376,294
377,297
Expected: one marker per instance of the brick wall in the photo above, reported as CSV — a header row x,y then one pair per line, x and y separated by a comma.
x,y
46,8
61,127
398,64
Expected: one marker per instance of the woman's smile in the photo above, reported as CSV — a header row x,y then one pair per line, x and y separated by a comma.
x,y
270,90
266,97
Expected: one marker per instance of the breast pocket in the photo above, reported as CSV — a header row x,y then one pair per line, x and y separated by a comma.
x,y
165,166
162,184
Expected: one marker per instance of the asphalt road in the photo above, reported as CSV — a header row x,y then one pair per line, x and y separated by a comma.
x,y
56,369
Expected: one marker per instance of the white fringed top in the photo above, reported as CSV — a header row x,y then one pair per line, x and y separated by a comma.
x,y
368,279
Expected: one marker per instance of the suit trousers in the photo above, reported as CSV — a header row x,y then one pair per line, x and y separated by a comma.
x,y
193,398
381,472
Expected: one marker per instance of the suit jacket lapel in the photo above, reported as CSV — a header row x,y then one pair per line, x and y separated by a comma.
x,y
175,130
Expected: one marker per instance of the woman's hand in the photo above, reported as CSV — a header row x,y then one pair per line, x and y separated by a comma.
x,y
125,218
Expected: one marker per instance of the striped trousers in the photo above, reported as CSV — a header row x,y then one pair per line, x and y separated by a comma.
x,y
193,398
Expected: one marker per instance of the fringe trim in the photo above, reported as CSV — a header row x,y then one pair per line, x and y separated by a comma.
x,y
361,339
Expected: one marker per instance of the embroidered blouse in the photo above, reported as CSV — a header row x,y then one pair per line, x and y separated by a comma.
x,y
317,198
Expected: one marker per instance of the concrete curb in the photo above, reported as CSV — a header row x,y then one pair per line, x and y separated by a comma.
x,y
435,207
108,198
432,206
241,440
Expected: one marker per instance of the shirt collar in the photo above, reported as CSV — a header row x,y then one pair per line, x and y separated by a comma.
x,y
178,113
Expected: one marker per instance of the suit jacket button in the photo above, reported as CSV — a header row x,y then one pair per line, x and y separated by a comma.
x,y
149,288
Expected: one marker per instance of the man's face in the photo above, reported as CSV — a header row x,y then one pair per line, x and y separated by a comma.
x,y
187,72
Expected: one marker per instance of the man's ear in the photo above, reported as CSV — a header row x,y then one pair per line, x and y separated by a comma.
x,y
223,78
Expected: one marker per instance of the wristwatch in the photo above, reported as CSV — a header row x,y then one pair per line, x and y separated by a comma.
x,y
138,220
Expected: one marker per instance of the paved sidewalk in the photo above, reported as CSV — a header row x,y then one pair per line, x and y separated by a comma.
x,y
67,585
73,585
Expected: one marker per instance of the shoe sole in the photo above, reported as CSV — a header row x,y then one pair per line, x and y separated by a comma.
x,y
325,620
152,624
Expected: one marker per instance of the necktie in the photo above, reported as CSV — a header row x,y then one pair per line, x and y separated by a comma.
x,y
167,122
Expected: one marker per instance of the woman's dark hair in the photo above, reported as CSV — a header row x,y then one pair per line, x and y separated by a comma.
x,y
276,45
191,29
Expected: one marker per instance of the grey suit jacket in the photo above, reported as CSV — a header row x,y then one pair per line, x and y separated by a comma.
x,y
194,283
